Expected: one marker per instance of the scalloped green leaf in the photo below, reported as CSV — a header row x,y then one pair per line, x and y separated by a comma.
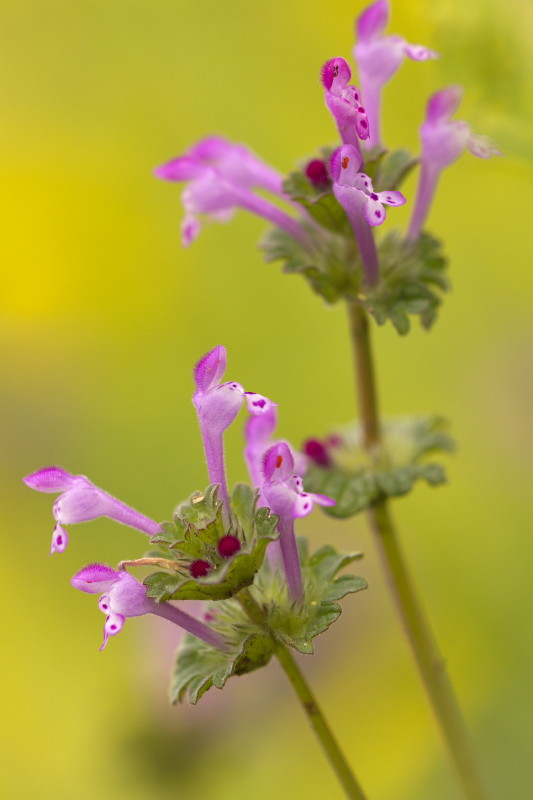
x,y
355,486
201,522
251,645
352,492
298,627
393,170
393,482
199,667
412,278
333,269
219,584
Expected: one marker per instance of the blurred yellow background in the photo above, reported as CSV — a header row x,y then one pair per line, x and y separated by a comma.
x,y
103,316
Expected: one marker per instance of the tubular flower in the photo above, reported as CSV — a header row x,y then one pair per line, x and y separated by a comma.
x,y
217,404
344,102
82,501
378,57
258,433
220,177
443,141
283,491
124,596
363,206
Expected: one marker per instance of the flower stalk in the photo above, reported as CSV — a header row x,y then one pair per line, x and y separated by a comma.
x,y
430,662
310,706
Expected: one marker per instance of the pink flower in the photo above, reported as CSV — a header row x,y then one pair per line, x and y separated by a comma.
x,y
378,57
221,177
123,596
443,140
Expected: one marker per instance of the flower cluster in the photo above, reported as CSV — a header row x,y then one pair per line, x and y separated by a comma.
x,y
221,176
272,468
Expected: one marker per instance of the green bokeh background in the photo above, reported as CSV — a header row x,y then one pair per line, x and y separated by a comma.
x,y
103,315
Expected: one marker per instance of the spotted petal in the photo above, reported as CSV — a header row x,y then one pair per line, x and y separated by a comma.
x,y
392,198
375,213
278,463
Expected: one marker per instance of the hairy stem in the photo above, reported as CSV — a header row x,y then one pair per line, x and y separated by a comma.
x,y
320,726
314,714
430,663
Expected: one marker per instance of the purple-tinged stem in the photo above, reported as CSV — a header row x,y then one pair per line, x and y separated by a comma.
x,y
291,559
188,623
427,184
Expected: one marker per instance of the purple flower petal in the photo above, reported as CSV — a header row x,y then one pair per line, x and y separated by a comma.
x,y
103,604
218,407
323,500
373,20
95,578
210,369
392,198
190,228
52,479
257,404
113,625
278,463
443,104
127,596
183,168
483,147
375,213
344,165
418,52
59,540
81,504
336,74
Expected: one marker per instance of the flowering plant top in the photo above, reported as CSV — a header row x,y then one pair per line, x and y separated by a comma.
x,y
218,547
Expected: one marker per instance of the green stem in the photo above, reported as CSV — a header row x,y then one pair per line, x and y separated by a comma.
x,y
319,725
314,714
430,663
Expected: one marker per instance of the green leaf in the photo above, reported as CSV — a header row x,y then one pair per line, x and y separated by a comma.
x,y
355,485
218,584
297,627
199,666
353,492
251,645
393,170
321,205
412,276
199,526
333,269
